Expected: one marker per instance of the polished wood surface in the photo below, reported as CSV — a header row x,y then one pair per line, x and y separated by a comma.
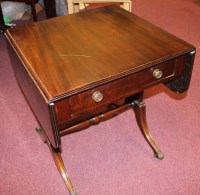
x,y
56,154
42,110
78,70
91,48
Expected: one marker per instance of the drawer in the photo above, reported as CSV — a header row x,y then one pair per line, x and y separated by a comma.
x,y
121,88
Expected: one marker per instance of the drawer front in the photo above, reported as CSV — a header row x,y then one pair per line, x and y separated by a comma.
x,y
122,87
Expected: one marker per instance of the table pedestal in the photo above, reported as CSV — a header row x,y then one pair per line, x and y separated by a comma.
x,y
140,112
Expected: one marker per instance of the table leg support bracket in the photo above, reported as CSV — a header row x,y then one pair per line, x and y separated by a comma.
x,y
56,154
140,112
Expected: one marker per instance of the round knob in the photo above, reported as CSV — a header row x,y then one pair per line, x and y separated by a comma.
x,y
97,96
157,73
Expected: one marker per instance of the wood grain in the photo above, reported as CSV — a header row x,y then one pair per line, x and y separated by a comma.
x,y
67,55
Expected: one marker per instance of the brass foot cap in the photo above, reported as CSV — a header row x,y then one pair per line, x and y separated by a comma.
x,y
159,155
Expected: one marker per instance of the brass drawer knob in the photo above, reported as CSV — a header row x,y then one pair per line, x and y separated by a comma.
x,y
97,96
157,73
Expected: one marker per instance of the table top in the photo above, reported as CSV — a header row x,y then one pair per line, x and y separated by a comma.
x,y
69,54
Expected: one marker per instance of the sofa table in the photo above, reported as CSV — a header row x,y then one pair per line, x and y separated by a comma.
x,y
81,69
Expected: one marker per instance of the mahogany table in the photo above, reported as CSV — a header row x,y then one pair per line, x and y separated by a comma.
x,y
81,69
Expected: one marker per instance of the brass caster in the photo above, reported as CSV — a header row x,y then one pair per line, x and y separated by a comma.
x,y
159,155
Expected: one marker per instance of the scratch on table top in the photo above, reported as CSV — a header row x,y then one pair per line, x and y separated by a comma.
x,y
74,55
